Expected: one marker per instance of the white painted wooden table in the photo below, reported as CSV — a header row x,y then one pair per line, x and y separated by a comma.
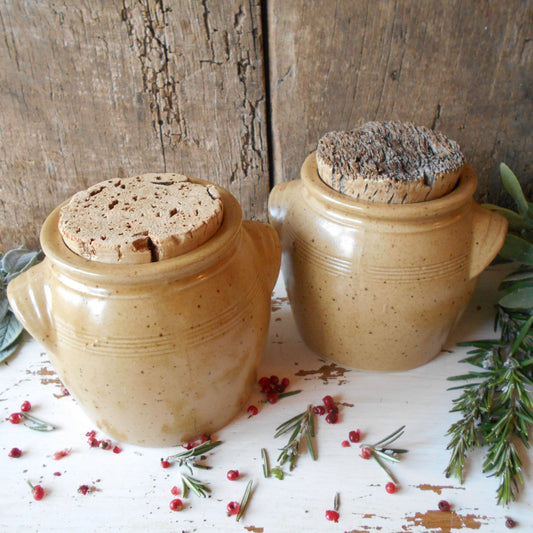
x,y
133,490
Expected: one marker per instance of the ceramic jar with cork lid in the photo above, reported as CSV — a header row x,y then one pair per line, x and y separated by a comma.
x,y
375,285
160,350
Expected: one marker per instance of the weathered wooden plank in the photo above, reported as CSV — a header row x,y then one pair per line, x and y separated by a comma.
x,y
99,89
464,68
94,90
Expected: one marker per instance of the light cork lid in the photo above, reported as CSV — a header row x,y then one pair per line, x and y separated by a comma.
x,y
142,219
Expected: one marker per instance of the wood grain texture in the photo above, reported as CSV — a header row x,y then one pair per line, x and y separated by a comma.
x,y
464,68
95,90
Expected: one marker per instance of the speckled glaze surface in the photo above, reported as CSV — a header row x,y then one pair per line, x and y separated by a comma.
x,y
375,286
160,353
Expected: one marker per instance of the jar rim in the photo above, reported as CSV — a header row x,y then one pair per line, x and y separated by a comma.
x,y
178,267
455,199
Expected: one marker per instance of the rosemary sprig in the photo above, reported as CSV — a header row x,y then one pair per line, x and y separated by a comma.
x,y
301,427
496,411
189,458
197,487
381,450
495,404
245,500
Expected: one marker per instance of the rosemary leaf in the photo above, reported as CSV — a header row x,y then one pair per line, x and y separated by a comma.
x,y
37,424
197,487
245,500
289,393
386,456
390,438
336,502
310,445
384,467
266,463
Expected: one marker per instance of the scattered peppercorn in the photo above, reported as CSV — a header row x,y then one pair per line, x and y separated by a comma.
x,y
366,453
176,505
332,418
16,418
444,506
232,475
38,492
390,487
15,453
328,401
354,436
233,508
61,454
509,523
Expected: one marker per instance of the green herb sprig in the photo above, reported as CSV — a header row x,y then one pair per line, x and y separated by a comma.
x,y
302,429
190,457
12,263
382,450
495,404
189,483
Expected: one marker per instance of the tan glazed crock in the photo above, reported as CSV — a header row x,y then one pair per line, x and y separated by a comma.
x,y
163,352
380,286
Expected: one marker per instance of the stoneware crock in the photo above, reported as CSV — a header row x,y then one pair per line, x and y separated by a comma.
x,y
159,353
379,286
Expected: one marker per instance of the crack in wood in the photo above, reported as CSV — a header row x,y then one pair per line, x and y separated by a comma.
x,y
146,25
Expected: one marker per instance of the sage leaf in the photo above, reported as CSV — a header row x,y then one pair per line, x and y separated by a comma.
x,y
8,352
17,261
512,186
4,307
520,299
517,249
516,221
517,280
10,329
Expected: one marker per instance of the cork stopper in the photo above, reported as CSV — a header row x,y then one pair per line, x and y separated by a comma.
x,y
142,219
389,162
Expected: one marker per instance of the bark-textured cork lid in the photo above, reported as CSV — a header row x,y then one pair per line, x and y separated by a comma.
x,y
142,219
389,162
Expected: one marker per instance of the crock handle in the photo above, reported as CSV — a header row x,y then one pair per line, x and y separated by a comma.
x,y
488,235
278,203
268,248
29,298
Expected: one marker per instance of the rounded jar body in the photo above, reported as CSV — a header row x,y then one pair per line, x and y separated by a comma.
x,y
379,286
161,353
